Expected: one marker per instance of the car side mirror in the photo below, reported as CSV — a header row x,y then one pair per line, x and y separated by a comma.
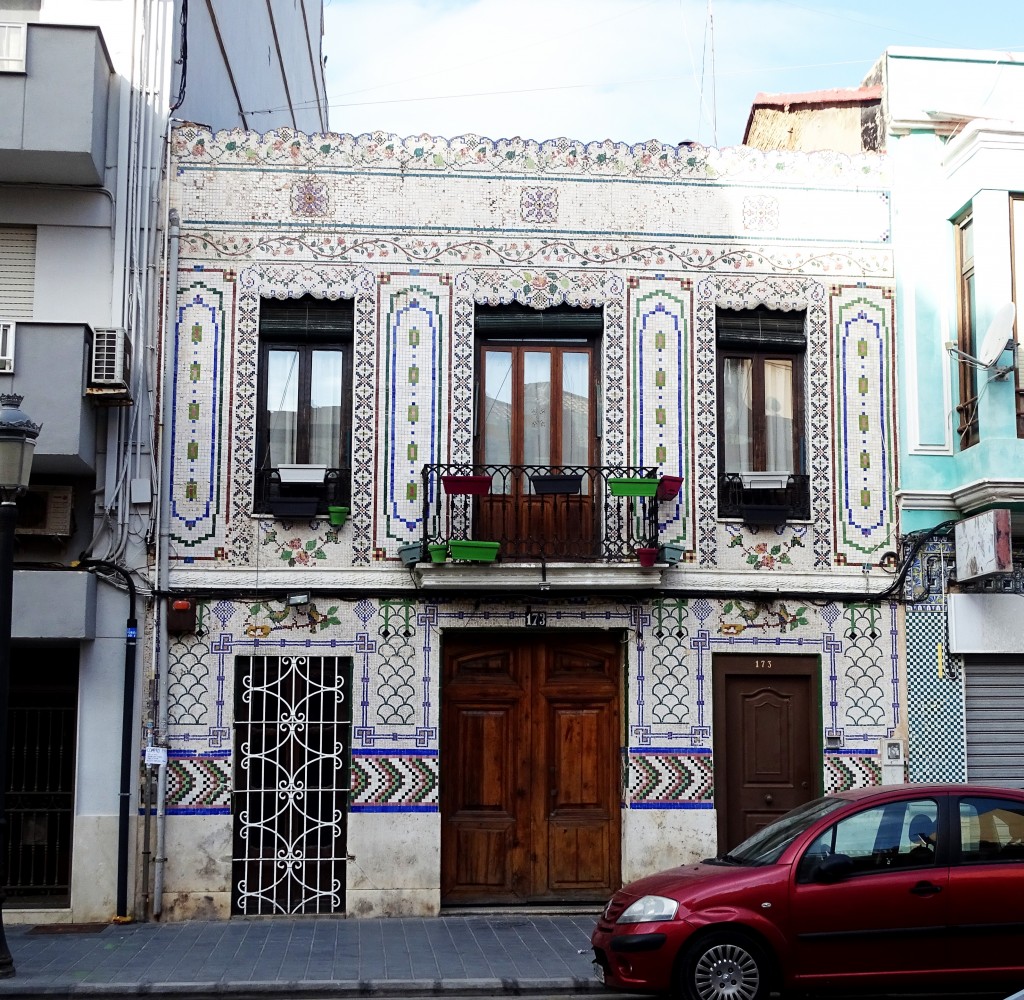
x,y
834,868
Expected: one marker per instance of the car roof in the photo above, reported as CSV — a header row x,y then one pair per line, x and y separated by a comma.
x,y
883,792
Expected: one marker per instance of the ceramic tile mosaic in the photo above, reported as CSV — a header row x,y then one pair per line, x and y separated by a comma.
x,y
419,233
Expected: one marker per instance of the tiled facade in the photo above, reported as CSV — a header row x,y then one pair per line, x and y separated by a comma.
x,y
419,233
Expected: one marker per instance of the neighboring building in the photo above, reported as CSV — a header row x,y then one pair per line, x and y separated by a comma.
x,y
955,136
841,120
952,128
356,728
85,88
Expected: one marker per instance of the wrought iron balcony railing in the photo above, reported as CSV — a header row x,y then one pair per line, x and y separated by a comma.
x,y
543,513
764,497
300,491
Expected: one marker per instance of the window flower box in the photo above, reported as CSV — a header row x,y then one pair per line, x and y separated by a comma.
x,y
410,554
294,508
306,474
764,480
671,554
632,486
471,485
474,551
764,513
668,487
549,483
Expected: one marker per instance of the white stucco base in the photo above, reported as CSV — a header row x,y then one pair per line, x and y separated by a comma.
x,y
653,839
406,846
197,879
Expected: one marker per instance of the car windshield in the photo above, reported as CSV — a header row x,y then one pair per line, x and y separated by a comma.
x,y
765,846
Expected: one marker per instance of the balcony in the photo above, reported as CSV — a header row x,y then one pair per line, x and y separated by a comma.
x,y
53,115
592,517
297,492
764,498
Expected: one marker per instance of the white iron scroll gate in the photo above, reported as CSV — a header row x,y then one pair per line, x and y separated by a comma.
x,y
293,717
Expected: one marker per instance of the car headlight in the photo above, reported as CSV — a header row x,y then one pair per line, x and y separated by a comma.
x,y
649,908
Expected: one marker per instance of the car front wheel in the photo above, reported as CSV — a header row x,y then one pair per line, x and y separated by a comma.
x,y
724,966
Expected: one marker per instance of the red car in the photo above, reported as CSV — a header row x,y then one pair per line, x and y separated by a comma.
x,y
907,887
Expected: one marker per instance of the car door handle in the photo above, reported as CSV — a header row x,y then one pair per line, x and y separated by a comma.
x,y
926,889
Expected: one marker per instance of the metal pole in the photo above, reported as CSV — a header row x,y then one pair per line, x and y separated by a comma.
x,y
8,519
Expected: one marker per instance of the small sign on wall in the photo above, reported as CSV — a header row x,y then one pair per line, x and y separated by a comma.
x,y
983,545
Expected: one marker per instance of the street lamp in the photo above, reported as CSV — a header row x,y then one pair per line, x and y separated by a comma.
x,y
17,443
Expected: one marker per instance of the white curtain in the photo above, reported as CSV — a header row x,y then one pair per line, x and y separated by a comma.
x,y
737,406
778,415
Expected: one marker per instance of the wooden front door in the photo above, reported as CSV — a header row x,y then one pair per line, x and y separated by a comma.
x,y
530,798
767,756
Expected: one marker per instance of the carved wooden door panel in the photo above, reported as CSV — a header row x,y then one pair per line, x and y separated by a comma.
x,y
530,799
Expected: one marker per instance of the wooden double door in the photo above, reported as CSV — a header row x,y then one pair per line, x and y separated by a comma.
x,y
530,787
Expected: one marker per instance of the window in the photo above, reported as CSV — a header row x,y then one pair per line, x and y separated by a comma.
x,y
1017,269
12,48
895,835
967,331
991,830
305,385
761,408
536,423
6,348
538,371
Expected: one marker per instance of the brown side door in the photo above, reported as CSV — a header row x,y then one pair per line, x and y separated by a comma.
x,y
530,797
767,756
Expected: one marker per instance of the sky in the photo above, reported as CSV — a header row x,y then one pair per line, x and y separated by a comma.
x,y
626,70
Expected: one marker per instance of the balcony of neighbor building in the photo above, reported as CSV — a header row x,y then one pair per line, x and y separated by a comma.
x,y
55,84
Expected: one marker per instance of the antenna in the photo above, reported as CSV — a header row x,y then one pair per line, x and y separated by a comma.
x,y
998,338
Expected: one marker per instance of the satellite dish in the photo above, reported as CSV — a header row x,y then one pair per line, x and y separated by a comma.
x,y
998,337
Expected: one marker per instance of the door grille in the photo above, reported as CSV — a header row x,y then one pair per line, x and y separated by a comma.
x,y
293,716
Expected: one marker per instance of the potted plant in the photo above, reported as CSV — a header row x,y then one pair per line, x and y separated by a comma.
x,y
293,508
668,487
474,485
410,554
632,486
554,482
474,551
671,554
293,474
647,555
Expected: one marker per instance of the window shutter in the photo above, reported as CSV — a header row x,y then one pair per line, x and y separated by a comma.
x,y
760,329
17,271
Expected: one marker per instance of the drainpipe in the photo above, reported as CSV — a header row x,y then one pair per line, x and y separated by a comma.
x,y
163,547
131,631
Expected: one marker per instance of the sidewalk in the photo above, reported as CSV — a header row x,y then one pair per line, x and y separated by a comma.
x,y
313,957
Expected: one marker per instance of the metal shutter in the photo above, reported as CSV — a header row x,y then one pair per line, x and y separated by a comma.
x,y
17,271
995,719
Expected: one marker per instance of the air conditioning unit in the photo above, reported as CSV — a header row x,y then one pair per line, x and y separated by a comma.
x,y
45,510
110,364
6,347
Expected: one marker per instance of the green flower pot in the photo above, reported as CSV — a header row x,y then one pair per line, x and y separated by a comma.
x,y
338,515
438,553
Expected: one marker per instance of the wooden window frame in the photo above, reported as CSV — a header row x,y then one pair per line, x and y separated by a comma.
x,y
306,338
967,374
785,348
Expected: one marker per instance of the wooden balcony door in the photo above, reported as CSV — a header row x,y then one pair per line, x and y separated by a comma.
x,y
537,409
530,798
